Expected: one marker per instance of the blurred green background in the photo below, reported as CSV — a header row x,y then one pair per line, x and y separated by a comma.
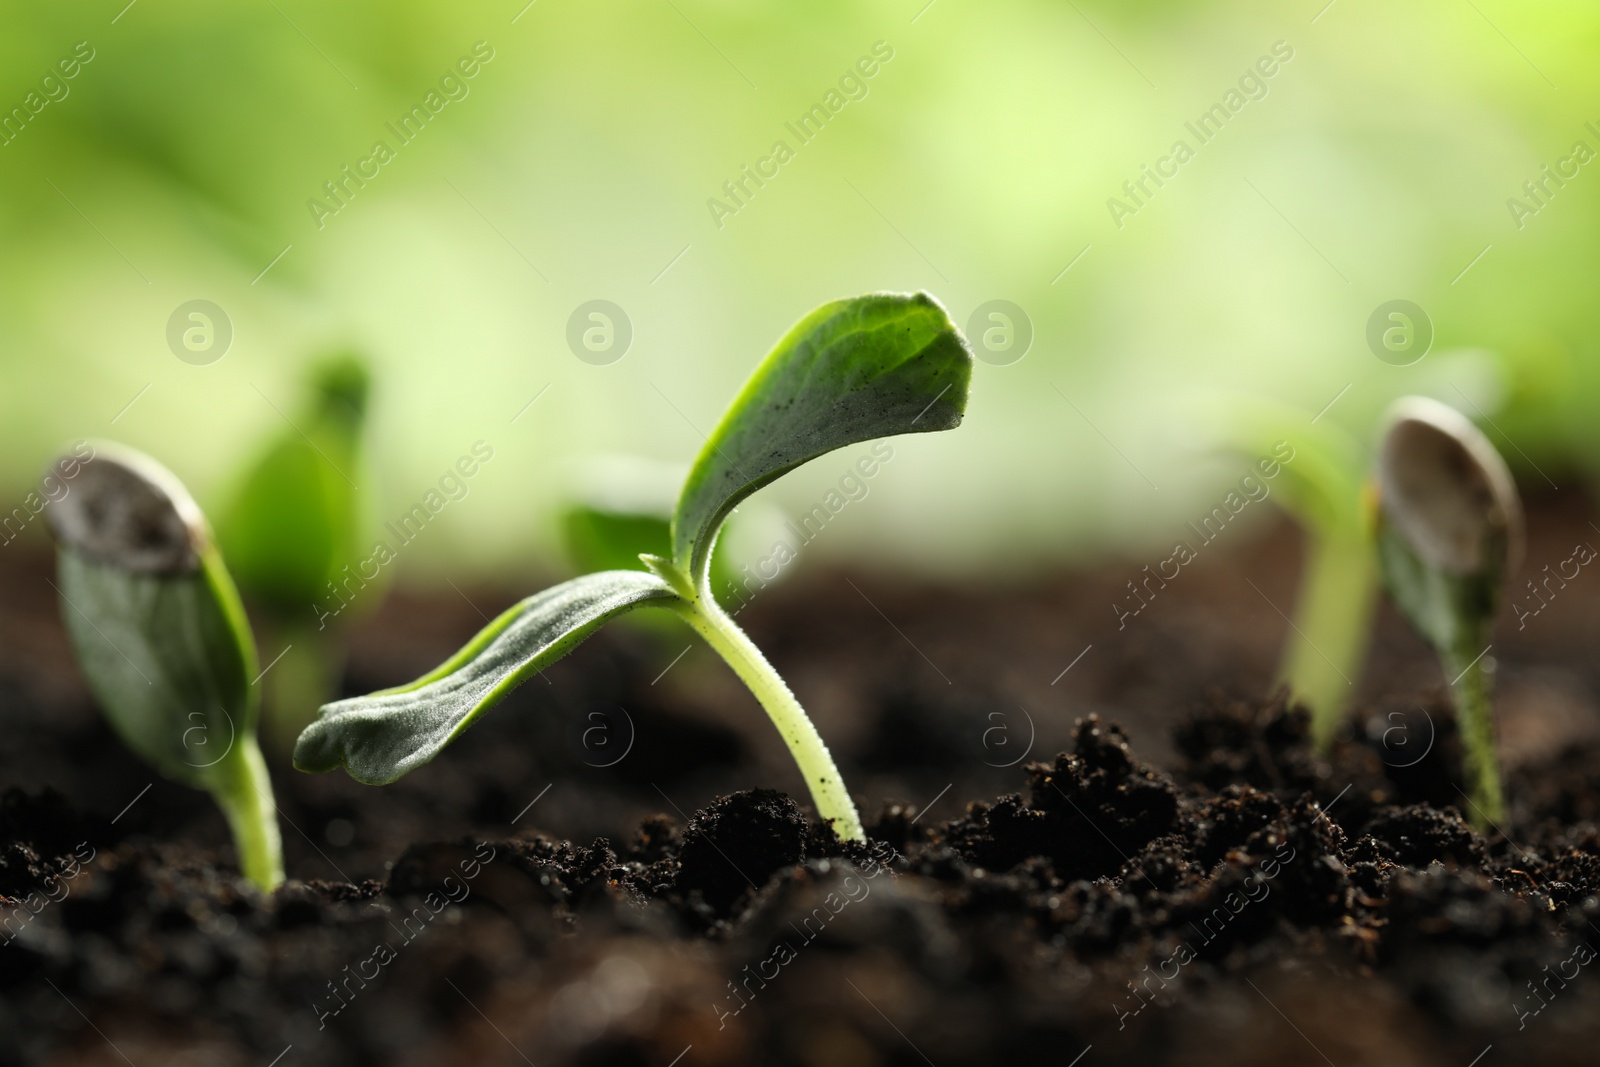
x,y
179,163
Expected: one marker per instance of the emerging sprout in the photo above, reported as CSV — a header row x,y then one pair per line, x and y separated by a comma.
x,y
1449,531
1321,490
291,531
619,508
850,371
158,630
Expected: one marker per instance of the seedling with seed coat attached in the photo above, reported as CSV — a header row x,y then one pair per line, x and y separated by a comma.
x,y
1449,532
851,371
158,630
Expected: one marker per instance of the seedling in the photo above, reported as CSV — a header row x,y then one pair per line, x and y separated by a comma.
x,y
291,532
851,371
160,635
1322,490
619,508
1449,532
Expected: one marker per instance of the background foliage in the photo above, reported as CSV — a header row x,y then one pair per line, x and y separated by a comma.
x,y
978,165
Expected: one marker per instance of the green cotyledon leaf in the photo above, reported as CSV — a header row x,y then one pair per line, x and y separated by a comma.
x,y
161,637
384,735
154,619
852,370
1449,522
296,518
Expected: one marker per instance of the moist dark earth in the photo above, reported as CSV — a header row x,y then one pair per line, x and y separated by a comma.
x,y
1088,846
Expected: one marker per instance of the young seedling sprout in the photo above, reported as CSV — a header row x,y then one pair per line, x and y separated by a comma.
x,y
291,535
158,630
1449,532
1321,488
619,508
616,508
851,371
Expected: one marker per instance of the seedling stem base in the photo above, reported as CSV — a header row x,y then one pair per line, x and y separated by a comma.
x,y
1475,714
805,744
244,792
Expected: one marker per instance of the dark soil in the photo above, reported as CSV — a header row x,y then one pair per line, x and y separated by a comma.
x,y
1218,895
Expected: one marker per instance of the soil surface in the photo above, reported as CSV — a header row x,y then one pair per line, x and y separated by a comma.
x,y
1089,845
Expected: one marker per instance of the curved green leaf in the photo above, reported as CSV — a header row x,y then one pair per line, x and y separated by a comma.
x,y
296,517
384,735
163,661
852,370
154,620
160,635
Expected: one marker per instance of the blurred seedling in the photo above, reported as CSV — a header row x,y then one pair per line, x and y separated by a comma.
x,y
291,534
1322,491
161,637
619,508
1449,533
850,371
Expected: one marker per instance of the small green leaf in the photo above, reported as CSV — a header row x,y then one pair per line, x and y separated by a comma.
x,y
163,661
295,519
152,615
598,540
850,371
1448,610
380,737
619,508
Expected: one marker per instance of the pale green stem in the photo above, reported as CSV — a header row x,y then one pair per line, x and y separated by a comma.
x,y
805,744
1475,717
1333,613
244,792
